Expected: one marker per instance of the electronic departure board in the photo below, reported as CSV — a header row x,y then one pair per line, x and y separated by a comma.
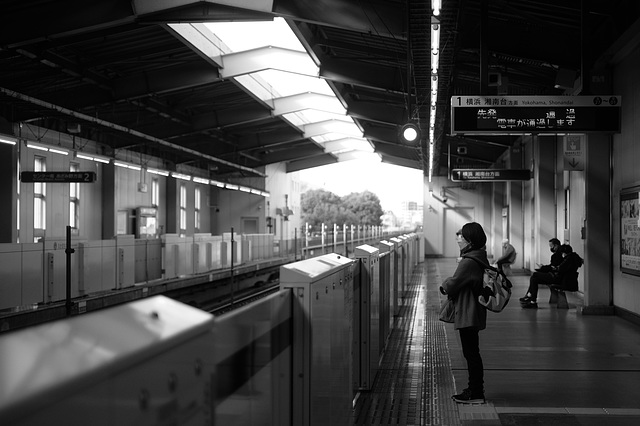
x,y
534,114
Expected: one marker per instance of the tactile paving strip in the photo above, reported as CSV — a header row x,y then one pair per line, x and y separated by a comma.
x,y
440,409
414,383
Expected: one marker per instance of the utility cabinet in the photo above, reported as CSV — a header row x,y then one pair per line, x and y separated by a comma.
x,y
367,338
322,336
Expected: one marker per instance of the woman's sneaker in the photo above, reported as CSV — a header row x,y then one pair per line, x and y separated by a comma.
x,y
469,397
525,299
531,304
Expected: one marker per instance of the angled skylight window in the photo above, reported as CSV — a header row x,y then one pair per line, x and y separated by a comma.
x,y
240,36
268,60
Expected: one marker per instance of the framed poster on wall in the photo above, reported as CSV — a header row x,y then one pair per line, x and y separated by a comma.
x,y
629,230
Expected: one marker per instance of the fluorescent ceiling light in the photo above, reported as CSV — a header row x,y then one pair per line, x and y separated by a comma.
x,y
7,141
180,176
158,172
436,5
201,180
38,147
84,157
126,165
58,151
103,160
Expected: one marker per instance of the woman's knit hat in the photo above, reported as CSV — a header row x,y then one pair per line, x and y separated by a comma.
x,y
474,233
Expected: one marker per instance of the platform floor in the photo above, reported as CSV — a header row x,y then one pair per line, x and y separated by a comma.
x,y
542,367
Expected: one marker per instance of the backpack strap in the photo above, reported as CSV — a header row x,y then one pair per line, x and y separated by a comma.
x,y
481,263
480,285
496,270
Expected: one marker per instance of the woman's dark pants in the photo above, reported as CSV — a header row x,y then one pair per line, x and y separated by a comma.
x,y
539,278
471,350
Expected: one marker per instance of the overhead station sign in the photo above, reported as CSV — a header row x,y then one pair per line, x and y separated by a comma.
x,y
534,114
58,177
489,175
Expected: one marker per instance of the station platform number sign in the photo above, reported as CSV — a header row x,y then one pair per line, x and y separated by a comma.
x,y
489,175
58,177
535,114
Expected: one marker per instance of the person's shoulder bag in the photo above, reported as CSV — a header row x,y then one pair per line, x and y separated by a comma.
x,y
448,311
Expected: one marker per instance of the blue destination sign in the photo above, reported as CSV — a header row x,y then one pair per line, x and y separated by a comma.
x,y
489,175
534,114
58,177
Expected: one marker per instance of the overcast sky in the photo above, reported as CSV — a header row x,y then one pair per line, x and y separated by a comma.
x,y
392,184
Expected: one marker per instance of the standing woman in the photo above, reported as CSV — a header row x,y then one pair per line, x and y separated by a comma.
x,y
470,317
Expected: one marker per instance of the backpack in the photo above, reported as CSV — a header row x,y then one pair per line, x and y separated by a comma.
x,y
496,288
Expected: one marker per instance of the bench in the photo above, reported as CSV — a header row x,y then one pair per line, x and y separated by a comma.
x,y
558,296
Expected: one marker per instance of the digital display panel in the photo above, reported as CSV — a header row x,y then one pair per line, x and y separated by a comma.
x,y
534,114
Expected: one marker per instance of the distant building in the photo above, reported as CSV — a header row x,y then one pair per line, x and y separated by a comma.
x,y
408,218
410,215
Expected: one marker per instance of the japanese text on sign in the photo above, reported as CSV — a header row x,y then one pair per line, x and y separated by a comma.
x,y
54,177
477,114
489,175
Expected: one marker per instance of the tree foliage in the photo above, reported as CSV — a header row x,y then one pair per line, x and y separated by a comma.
x,y
358,208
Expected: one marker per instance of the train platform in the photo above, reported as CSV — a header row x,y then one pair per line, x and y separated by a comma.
x,y
547,366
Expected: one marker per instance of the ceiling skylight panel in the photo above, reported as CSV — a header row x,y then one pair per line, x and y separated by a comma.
x,y
358,155
241,36
258,87
350,144
297,119
288,83
314,116
308,101
267,58
332,126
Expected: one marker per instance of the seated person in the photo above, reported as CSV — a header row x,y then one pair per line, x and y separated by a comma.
x,y
564,275
556,256
508,255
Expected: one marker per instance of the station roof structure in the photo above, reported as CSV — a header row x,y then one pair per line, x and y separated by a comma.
x,y
161,79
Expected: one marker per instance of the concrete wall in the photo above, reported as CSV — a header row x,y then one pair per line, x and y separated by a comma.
x,y
462,205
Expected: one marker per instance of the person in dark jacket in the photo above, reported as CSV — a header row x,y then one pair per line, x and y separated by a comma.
x,y
470,317
556,256
564,275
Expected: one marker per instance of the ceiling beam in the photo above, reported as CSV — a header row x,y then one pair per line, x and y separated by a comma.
x,y
308,163
50,20
380,17
379,112
400,161
113,126
165,80
297,154
363,73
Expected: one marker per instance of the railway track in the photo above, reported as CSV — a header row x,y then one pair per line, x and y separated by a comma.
x,y
244,297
